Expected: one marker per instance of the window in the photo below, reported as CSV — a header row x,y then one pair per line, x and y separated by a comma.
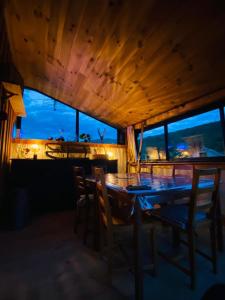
x,y
93,130
197,136
46,118
14,131
153,147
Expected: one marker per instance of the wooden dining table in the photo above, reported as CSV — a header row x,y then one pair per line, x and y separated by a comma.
x,y
150,189
142,192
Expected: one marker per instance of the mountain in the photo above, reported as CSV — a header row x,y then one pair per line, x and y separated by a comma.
x,y
211,133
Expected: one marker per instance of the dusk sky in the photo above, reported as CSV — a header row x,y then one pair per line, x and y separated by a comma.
x,y
45,120
205,118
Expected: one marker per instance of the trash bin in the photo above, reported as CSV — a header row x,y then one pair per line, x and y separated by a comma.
x,y
21,208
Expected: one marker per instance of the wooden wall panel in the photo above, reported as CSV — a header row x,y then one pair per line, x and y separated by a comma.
x,y
6,128
9,73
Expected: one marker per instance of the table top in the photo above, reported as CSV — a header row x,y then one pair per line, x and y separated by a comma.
x,y
156,184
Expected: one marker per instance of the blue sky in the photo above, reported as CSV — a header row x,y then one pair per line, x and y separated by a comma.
x,y
45,120
205,118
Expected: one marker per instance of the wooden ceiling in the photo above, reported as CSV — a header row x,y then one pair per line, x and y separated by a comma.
x,y
122,61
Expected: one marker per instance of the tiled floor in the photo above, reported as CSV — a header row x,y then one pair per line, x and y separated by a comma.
x,y
46,261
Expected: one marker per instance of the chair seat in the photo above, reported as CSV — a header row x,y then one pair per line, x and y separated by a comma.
x,y
178,215
115,221
82,200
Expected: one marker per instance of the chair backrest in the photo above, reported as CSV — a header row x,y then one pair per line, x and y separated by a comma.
x,y
209,188
79,178
103,199
186,170
146,168
162,170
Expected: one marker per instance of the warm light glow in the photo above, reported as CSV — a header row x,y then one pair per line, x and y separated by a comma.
x,y
110,155
185,153
35,148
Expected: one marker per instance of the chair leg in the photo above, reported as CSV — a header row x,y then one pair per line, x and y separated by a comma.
x,y
109,256
86,223
176,237
213,242
97,228
77,219
191,242
220,230
153,250
101,240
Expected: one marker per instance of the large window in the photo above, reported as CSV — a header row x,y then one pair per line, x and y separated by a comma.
x,y
46,118
197,136
50,119
153,147
95,131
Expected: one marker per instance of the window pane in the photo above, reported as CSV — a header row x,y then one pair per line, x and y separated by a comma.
x,y
153,147
198,136
14,131
47,118
94,128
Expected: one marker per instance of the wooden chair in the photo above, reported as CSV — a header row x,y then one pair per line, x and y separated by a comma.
x,y
84,204
146,168
162,170
114,227
132,167
181,169
187,218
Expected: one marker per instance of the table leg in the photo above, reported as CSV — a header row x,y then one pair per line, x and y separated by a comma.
x,y
220,229
138,263
176,237
97,225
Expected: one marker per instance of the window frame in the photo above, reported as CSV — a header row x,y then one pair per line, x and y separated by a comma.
x,y
77,117
137,132
220,105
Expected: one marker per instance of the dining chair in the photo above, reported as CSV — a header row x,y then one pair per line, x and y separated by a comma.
x,y
115,227
85,202
183,169
188,218
162,170
146,168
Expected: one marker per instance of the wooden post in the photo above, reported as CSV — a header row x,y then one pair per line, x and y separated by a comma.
x,y
77,129
166,142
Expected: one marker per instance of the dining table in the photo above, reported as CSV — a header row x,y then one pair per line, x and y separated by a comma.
x,y
142,192
149,190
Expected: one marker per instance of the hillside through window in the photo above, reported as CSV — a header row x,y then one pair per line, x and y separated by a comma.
x,y
153,147
197,136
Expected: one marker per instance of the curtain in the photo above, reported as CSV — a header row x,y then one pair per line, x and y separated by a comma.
x,y
132,155
131,147
140,148
141,142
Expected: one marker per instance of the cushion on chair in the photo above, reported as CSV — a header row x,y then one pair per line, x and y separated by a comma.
x,y
178,215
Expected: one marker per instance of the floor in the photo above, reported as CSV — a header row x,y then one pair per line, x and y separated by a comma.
x,y
46,261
